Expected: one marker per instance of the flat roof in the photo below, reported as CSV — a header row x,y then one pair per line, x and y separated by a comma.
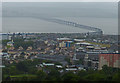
x,y
79,39
63,39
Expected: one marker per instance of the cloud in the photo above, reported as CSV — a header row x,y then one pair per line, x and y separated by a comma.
x,y
60,0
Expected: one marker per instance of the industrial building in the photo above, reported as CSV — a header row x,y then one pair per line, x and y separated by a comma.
x,y
63,39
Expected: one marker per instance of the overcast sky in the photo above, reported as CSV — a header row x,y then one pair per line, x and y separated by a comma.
x,y
95,9
59,0
96,14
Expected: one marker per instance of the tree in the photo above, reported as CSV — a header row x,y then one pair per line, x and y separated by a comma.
x,y
95,77
82,73
8,78
22,66
32,70
54,75
109,70
70,76
116,77
41,75
13,70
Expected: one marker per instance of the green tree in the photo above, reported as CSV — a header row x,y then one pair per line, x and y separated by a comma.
x,y
95,77
22,66
82,73
54,75
70,76
32,70
13,70
116,77
41,75
109,71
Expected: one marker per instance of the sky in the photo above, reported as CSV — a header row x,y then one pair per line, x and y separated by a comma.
x,y
97,9
60,0
102,15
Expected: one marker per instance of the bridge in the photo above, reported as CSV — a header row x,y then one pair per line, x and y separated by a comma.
x,y
96,31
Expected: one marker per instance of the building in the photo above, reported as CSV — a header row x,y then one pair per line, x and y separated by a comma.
x,y
87,62
91,56
10,43
71,69
83,44
68,43
79,40
11,48
48,64
59,66
109,59
63,39
10,37
20,48
62,44
29,48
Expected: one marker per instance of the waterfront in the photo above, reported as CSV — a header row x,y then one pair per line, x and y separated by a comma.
x,y
20,24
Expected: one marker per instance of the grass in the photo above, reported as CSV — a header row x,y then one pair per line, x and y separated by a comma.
x,y
102,45
23,75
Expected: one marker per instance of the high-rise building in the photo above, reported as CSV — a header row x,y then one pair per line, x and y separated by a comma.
x,y
87,61
109,59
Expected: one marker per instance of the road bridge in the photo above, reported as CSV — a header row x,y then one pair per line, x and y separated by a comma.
x,y
96,31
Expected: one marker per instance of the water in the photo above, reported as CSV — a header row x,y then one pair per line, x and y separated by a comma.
x,y
27,24
108,25
100,15
20,24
